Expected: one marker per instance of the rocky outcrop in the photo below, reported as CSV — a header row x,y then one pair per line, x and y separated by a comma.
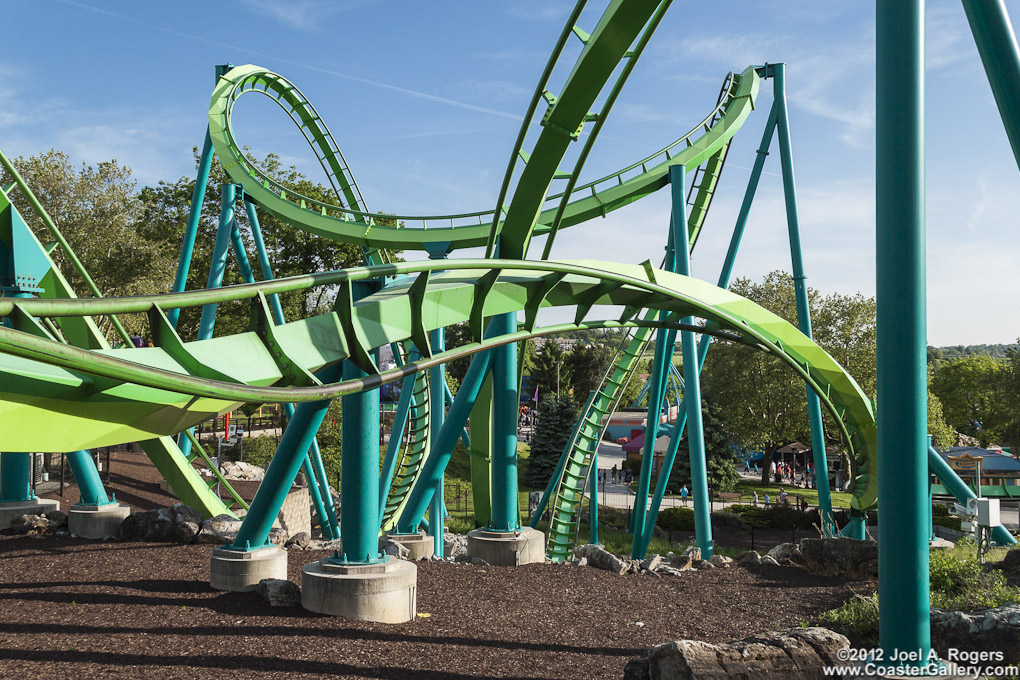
x,y
176,524
600,558
299,541
242,471
651,563
798,654
455,546
38,525
721,561
748,557
1011,562
841,556
219,530
279,593
990,629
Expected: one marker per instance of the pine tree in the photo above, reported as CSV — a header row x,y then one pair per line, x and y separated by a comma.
x,y
719,458
555,422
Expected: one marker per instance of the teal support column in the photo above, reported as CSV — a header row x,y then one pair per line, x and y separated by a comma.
x,y
437,416
855,527
90,486
263,257
931,501
15,477
283,468
724,281
901,329
191,230
593,501
217,266
503,515
359,474
961,492
692,389
424,492
996,43
800,290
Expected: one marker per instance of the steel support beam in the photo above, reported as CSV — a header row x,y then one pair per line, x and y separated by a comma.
x,y
901,329
90,486
504,427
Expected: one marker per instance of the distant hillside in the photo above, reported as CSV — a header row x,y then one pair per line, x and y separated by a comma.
x,y
957,351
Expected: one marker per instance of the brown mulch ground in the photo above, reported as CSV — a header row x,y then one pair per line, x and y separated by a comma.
x,y
71,608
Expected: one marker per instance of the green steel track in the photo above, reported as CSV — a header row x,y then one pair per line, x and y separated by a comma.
x,y
67,398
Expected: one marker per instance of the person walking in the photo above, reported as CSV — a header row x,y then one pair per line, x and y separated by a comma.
x,y
756,499
683,495
615,474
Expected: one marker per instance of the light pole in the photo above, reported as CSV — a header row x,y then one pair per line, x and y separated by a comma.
x,y
558,364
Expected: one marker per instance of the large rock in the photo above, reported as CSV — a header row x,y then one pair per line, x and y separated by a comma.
x,y
841,556
298,541
749,557
693,551
34,525
392,548
600,558
682,562
990,629
176,524
721,560
782,551
454,546
279,593
242,471
219,530
798,654
651,563
1012,560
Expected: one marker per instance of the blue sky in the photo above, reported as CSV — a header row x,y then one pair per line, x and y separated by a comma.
x,y
425,101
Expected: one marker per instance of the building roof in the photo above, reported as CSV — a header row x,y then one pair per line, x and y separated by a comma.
x,y
990,460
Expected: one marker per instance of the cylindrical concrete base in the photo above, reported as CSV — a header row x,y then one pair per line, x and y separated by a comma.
x,y
97,521
386,592
507,549
241,570
420,546
15,509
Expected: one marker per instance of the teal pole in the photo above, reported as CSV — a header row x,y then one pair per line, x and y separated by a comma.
x,y
191,230
219,258
956,486
593,501
15,477
359,474
692,388
437,415
901,329
283,468
263,257
504,427
423,493
706,340
90,486
448,396
800,290
996,43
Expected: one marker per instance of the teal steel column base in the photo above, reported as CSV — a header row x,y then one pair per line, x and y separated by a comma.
x,y
338,558
419,545
90,486
854,529
16,477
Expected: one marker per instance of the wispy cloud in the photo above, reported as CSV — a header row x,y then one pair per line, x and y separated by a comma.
x,y
491,90
346,76
303,15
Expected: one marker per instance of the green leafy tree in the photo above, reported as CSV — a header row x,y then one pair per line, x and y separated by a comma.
x,y
974,392
556,417
586,365
942,436
550,370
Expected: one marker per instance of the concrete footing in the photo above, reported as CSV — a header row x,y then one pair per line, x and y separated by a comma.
x,y
507,548
420,546
241,570
97,521
386,592
10,511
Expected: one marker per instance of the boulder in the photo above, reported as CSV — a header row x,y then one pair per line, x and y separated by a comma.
x,y
702,564
1011,562
600,558
219,530
990,629
782,551
749,557
176,524
279,593
393,549
721,560
798,654
693,551
34,525
841,556
299,541
242,471
454,545
57,517
278,536
682,562
652,562
768,559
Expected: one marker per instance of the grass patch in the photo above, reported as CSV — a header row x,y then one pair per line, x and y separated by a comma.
x,y
746,488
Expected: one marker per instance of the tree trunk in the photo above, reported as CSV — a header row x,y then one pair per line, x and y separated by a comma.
x,y
766,464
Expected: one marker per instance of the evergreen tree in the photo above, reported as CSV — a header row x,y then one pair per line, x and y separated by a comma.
x,y
556,419
719,458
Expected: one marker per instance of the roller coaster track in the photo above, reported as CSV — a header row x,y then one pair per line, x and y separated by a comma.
x,y
68,398
379,230
414,453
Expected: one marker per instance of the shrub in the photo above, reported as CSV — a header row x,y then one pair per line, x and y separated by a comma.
x,y
676,519
962,583
857,617
259,450
946,521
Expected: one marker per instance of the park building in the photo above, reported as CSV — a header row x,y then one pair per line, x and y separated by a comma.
x,y
998,471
